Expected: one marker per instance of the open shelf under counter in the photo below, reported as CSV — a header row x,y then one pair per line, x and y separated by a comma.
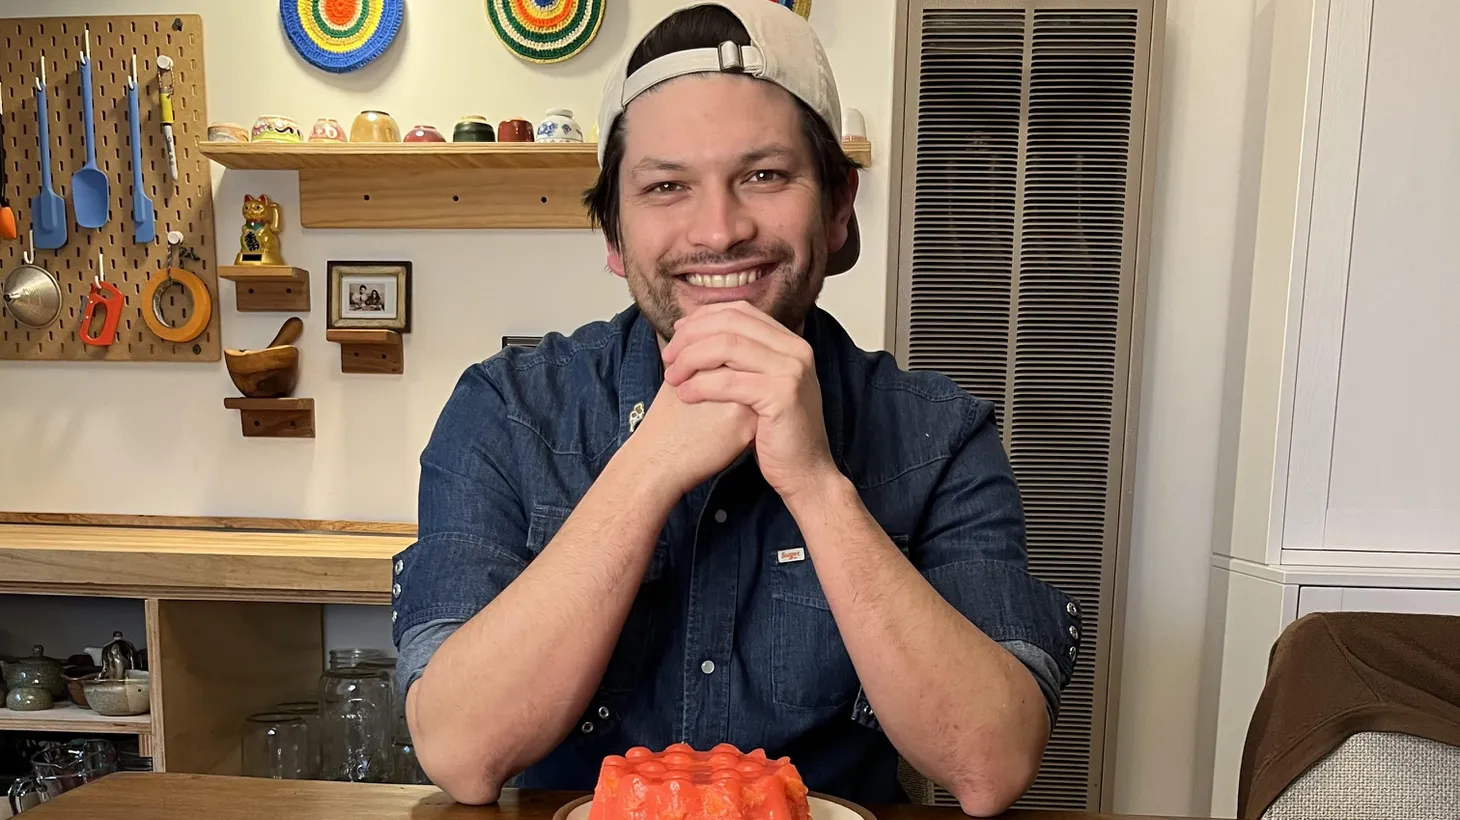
x,y
198,564
506,185
68,717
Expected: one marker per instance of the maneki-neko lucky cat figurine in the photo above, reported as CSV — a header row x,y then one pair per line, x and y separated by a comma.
x,y
262,222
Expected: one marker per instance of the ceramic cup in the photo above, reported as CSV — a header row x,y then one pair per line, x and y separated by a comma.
x,y
473,129
424,133
854,125
275,128
559,126
374,126
227,132
514,130
327,129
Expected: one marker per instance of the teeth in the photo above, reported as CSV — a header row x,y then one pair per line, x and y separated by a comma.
x,y
722,280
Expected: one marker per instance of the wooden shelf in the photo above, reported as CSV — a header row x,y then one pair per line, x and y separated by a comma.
x,y
274,418
369,351
373,157
269,287
263,273
68,717
161,562
434,185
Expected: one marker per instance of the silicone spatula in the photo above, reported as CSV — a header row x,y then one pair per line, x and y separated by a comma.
x,y
90,195
144,228
47,208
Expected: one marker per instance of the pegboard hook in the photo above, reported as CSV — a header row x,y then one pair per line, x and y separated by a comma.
x,y
28,256
86,57
100,268
40,82
132,78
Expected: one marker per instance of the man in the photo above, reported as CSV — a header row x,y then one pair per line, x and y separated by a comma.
x,y
712,518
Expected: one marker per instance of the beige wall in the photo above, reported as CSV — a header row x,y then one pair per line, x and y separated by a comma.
x,y
155,438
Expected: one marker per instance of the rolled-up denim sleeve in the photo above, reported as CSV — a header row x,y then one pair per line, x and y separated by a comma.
x,y
971,550
472,538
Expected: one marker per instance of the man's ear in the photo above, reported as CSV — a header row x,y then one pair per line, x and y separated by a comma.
x,y
841,214
616,258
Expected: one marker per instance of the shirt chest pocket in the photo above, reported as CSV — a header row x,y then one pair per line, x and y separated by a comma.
x,y
626,666
810,666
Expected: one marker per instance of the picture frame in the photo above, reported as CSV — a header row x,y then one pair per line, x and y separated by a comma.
x,y
369,294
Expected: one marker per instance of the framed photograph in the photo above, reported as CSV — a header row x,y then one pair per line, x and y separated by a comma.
x,y
370,295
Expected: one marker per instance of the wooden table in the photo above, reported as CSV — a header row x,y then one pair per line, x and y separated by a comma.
x,y
208,797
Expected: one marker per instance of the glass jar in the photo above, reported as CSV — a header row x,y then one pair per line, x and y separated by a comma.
x,y
356,713
408,769
280,746
308,711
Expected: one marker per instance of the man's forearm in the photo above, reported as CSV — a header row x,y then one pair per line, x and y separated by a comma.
x,y
958,706
510,683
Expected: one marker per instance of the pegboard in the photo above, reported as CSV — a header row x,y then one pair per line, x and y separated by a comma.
x,y
184,205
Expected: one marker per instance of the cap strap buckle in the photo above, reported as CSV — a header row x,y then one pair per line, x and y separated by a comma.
x,y
730,57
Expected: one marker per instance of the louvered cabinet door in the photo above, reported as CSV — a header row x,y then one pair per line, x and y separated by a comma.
x,y
1018,274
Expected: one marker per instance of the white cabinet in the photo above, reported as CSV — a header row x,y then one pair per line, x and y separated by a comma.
x,y
1378,599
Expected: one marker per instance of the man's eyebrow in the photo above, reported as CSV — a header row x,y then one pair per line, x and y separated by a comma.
x,y
651,164
762,153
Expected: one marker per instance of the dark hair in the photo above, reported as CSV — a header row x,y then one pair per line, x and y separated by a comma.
x,y
705,27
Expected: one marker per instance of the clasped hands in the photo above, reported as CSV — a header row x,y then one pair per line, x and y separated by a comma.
x,y
735,377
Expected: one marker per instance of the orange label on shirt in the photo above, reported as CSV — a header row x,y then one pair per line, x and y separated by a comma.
x,y
788,556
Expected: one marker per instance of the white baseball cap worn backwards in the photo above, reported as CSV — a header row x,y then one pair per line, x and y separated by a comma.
x,y
783,49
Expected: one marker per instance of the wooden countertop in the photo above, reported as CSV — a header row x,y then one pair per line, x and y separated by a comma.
x,y
188,797
159,562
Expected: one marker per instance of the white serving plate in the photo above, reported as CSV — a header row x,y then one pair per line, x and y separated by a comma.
x,y
822,808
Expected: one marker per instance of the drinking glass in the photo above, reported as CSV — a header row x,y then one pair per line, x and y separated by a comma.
x,y
60,769
279,745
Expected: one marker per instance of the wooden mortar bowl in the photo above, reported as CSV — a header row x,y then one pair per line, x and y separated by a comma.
x,y
264,374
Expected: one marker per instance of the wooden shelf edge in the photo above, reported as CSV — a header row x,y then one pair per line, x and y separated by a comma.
x,y
242,403
68,717
370,157
263,273
367,336
859,150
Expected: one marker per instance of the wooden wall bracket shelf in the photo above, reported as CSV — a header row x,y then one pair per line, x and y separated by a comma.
x,y
369,351
269,287
451,185
274,418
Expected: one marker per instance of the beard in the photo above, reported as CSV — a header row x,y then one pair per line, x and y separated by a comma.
x,y
793,289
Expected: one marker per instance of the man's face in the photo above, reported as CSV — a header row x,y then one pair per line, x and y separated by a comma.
x,y
719,201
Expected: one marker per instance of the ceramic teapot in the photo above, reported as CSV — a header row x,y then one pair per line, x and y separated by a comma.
x,y
36,670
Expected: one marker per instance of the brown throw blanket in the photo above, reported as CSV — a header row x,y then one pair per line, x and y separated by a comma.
x,y
1333,675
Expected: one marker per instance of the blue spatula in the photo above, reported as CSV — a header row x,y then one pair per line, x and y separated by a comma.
x,y
90,196
47,208
144,224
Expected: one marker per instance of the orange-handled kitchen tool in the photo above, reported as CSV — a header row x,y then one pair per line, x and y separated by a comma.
x,y
106,295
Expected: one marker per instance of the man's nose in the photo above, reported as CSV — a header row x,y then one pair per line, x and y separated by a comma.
x,y
721,221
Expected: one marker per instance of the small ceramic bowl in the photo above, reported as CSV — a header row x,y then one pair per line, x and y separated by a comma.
x,y
424,133
274,128
114,698
76,675
328,130
559,126
227,132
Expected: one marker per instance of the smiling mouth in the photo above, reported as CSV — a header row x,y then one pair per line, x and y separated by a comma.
x,y
723,280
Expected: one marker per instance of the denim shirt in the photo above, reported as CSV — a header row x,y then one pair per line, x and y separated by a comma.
x,y
730,638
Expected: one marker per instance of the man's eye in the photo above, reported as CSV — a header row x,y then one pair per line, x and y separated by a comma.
x,y
665,188
767,175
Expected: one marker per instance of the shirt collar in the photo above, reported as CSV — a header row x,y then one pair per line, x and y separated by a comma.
x,y
642,372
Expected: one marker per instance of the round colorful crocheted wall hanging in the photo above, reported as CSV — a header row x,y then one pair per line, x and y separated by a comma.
x,y
801,7
341,35
545,31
